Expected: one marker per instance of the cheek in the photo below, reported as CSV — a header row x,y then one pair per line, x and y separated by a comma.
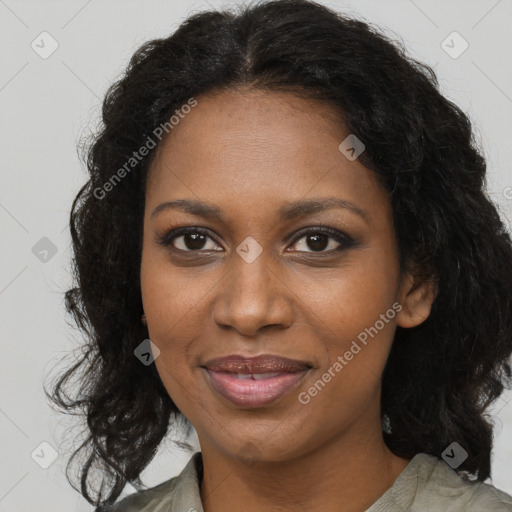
x,y
167,312
354,318
175,363
173,297
357,343
352,297
165,293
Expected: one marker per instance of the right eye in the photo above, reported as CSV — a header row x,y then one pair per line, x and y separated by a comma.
x,y
188,240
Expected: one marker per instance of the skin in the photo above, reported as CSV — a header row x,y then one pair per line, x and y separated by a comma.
x,y
250,153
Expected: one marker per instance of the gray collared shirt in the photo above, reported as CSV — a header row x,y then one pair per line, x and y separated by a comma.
x,y
427,484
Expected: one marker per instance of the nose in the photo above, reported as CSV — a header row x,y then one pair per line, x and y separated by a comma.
x,y
253,296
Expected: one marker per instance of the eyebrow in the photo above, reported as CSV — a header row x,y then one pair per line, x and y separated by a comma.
x,y
290,211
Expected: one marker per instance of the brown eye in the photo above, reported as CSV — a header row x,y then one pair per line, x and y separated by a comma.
x,y
319,240
189,240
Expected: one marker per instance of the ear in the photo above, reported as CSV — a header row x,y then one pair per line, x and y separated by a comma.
x,y
416,295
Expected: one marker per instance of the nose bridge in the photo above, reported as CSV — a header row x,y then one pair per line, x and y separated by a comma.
x,y
250,273
252,296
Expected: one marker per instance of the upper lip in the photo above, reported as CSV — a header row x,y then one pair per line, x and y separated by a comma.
x,y
265,363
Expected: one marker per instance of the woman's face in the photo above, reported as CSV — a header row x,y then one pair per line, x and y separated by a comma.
x,y
328,300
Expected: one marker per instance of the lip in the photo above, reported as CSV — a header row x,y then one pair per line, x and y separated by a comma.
x,y
264,363
250,391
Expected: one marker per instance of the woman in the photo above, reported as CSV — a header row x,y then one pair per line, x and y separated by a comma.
x,y
285,205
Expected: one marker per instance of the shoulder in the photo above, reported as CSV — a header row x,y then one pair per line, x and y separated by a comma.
x,y
176,491
439,487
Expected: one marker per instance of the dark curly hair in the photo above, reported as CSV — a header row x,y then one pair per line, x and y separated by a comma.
x,y
441,375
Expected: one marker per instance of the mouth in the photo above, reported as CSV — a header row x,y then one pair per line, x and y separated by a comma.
x,y
254,382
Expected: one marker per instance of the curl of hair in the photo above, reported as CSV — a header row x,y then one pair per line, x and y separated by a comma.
x,y
440,376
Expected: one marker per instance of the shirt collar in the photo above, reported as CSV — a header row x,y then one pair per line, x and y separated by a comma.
x,y
186,494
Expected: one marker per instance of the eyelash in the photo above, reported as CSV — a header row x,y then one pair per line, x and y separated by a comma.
x,y
344,240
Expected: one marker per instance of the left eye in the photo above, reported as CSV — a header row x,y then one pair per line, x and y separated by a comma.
x,y
319,241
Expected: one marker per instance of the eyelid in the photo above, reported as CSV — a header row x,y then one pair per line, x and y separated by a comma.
x,y
318,228
340,237
169,235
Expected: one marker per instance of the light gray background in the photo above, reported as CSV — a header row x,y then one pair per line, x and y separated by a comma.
x,y
47,104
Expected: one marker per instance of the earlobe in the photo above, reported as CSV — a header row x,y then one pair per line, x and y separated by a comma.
x,y
417,296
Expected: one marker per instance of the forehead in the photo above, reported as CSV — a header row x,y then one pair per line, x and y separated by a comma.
x,y
257,146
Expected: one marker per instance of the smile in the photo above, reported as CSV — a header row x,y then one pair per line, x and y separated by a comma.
x,y
253,389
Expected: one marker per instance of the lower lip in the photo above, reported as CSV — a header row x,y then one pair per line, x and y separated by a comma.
x,y
254,393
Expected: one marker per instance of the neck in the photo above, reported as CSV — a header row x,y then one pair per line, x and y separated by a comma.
x,y
349,473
